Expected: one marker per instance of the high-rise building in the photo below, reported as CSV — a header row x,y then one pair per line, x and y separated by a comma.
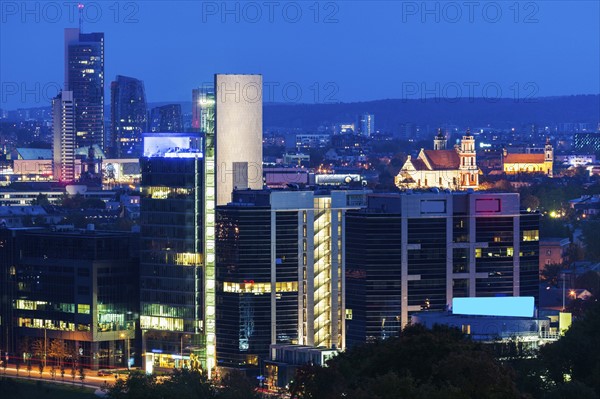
x,y
128,118
72,289
84,76
238,129
177,253
366,125
64,140
280,272
411,252
167,118
203,109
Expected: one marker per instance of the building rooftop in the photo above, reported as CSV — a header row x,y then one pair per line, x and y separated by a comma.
x,y
442,159
34,153
524,158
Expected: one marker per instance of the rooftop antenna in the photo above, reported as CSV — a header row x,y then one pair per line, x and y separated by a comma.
x,y
80,8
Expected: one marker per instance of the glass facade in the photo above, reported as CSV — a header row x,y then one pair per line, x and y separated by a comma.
x,y
84,76
128,118
76,287
171,256
373,259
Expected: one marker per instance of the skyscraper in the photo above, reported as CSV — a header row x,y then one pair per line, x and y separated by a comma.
x,y
167,118
171,258
84,76
128,117
63,144
238,134
366,125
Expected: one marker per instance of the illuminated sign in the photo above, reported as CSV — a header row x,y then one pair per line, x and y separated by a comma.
x,y
172,145
517,306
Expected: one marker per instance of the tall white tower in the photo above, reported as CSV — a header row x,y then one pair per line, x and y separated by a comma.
x,y
63,143
238,134
469,177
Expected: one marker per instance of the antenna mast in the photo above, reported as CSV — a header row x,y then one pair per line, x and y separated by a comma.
x,y
80,8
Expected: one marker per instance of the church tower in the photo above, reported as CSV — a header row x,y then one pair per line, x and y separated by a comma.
x,y
469,173
439,143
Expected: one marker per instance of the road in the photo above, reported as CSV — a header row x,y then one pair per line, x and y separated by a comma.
x,y
91,379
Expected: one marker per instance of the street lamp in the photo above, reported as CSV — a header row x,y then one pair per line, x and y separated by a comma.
x,y
127,342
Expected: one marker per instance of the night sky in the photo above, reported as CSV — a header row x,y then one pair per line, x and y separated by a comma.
x,y
333,51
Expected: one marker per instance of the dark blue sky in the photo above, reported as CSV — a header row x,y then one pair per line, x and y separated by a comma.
x,y
348,51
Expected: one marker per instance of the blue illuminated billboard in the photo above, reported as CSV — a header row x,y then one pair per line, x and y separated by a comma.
x,y
172,145
514,306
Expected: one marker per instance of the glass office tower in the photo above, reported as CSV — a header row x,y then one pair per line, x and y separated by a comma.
x,y
128,118
171,252
84,76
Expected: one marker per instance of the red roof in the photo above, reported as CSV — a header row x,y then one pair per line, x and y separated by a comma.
x,y
443,159
524,158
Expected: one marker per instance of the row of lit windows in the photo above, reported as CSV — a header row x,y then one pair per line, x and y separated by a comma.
x,y
161,323
49,324
251,287
166,192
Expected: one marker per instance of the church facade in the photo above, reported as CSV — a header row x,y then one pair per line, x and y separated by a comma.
x,y
529,163
442,168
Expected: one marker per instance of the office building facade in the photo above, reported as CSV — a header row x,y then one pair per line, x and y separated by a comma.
x,y
280,272
84,76
73,289
412,252
238,131
64,138
171,259
128,118
167,118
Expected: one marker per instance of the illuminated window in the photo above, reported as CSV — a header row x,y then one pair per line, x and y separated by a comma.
x,y
348,314
478,252
531,235
83,309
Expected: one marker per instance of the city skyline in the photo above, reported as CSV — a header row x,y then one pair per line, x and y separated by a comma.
x,y
412,52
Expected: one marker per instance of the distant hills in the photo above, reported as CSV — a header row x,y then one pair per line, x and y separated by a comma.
x,y
475,112
391,113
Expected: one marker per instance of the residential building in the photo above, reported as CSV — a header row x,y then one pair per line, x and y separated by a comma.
x,y
553,251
